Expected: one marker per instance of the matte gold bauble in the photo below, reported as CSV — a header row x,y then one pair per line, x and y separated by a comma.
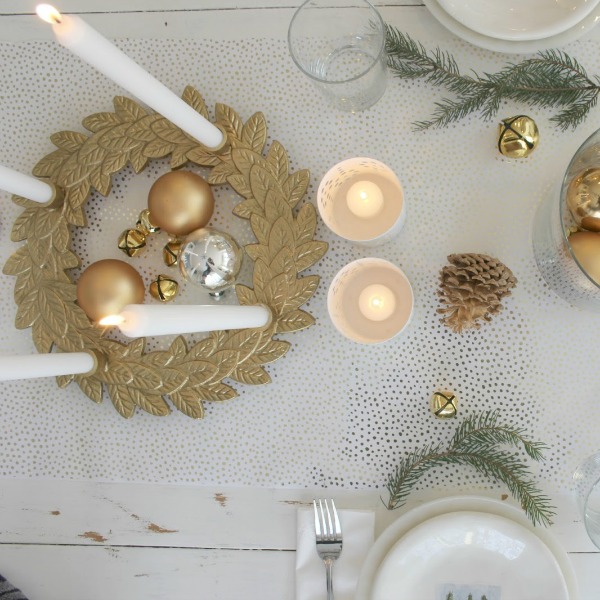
x,y
145,224
444,404
171,252
586,249
132,242
164,288
583,199
180,202
106,286
518,136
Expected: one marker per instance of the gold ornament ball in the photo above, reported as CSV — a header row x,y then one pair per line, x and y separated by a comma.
x,y
444,404
518,136
586,249
164,288
145,224
106,286
132,242
180,202
583,199
171,252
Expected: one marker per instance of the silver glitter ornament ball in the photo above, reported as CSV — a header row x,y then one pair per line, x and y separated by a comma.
x,y
211,259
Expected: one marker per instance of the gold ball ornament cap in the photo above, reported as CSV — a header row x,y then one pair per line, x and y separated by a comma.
x,y
180,202
444,404
518,136
132,242
583,199
164,288
107,286
585,246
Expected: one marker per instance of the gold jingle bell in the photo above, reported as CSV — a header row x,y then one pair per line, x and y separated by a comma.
x,y
518,136
145,225
171,252
583,199
444,404
164,288
132,242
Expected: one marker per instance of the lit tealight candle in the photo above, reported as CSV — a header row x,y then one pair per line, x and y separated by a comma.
x,y
377,302
140,320
84,41
365,199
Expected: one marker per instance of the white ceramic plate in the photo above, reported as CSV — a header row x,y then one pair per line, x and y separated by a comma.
x,y
466,541
509,46
518,19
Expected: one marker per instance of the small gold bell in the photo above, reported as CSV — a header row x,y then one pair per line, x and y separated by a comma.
x,y
171,252
518,136
132,242
444,404
164,288
145,225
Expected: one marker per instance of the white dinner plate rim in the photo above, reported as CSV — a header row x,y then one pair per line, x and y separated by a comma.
x,y
488,30
507,46
386,541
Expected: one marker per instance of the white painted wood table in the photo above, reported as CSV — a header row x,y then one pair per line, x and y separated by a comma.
x,y
82,533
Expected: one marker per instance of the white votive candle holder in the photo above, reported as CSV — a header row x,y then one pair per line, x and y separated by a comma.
x,y
361,200
370,301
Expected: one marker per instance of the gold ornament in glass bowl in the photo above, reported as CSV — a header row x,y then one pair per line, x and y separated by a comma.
x,y
132,242
180,202
583,199
106,286
518,136
164,288
585,246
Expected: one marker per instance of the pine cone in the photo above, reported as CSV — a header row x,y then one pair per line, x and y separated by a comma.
x,y
471,287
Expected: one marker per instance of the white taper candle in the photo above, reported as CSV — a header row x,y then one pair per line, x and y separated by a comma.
x,y
45,365
25,186
140,320
84,41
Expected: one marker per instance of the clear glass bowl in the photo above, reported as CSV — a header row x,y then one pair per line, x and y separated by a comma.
x,y
552,226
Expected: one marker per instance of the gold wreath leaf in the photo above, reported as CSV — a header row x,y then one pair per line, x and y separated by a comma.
x,y
24,202
284,263
247,208
261,228
27,311
258,252
302,290
127,109
63,261
64,380
295,186
91,387
43,222
42,339
168,132
272,351
51,163
99,121
92,153
73,173
179,157
23,285
203,158
220,173
178,348
153,404
254,132
121,399
74,215
230,120
101,181
294,321
138,160
275,208
239,183
251,375
111,140
61,236
135,349
194,98
158,148
21,225
261,181
278,159
306,224
113,163
76,196
40,250
172,380
68,140
275,294
245,159
246,296
18,262
203,374
225,360
202,349
308,254
219,392
245,342
141,130
158,359
281,236
261,277
52,310
188,402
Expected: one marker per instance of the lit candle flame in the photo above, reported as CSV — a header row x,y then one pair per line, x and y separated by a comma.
x,y
111,320
48,13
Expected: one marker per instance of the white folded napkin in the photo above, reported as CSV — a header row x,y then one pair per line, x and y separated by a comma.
x,y
358,534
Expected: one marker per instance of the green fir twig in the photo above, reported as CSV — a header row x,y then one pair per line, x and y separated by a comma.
x,y
480,441
551,79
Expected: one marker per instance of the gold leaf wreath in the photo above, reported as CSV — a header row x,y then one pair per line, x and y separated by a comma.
x,y
45,294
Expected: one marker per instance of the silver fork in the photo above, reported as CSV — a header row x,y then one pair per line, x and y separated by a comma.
x,y
329,538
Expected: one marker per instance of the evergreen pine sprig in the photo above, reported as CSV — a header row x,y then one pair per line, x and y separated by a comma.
x,y
551,79
479,442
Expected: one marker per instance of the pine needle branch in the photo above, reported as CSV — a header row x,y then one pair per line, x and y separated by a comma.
x,y
478,442
551,79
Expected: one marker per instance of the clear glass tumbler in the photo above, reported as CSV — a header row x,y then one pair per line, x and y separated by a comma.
x,y
587,490
340,46
551,228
